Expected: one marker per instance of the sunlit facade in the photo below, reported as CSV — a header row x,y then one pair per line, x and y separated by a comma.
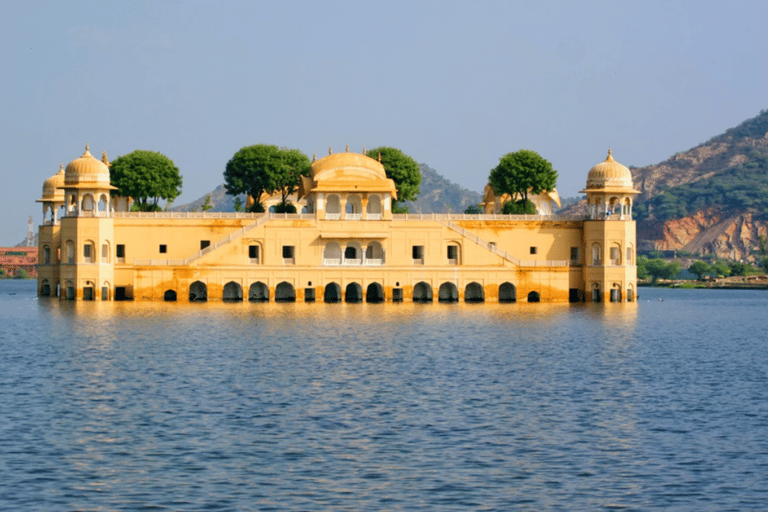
x,y
346,245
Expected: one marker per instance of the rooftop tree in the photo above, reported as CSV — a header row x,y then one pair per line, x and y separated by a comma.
x,y
262,168
146,177
520,174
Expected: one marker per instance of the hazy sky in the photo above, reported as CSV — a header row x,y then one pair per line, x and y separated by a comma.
x,y
456,85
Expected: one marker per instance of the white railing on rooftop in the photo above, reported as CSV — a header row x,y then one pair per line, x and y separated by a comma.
x,y
481,216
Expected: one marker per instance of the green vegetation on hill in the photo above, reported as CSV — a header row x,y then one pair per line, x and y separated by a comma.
x,y
743,188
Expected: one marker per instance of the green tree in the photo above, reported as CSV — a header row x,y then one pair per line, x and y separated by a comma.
x,y
642,267
519,208
473,209
238,204
207,204
659,269
700,269
295,164
721,268
404,171
739,268
147,177
521,173
263,168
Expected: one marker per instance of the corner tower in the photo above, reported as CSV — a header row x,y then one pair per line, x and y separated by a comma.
x,y
87,231
609,233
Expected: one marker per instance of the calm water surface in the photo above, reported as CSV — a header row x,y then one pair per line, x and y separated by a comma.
x,y
661,404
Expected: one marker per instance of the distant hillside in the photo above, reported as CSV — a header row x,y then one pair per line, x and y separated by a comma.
x,y
711,199
438,195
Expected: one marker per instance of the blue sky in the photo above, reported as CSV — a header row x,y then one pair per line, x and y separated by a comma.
x,y
456,85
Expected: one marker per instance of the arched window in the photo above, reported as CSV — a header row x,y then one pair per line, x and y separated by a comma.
x,y
332,254
258,292
105,252
507,292
72,203
332,293
353,293
474,292
630,255
333,208
354,209
103,203
597,254
89,252
373,210
105,288
70,252
169,296
87,203
374,293
198,292
353,254
534,297
448,293
374,254
45,288
46,255
422,292
284,292
233,292
615,255
630,293
616,293
596,294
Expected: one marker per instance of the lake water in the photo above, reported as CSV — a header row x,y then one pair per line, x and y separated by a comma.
x,y
660,404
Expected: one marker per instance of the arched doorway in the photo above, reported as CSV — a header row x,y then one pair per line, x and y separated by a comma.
x,y
374,293
616,293
353,293
284,292
507,293
534,297
232,292
169,296
474,292
198,292
332,293
448,293
258,292
422,292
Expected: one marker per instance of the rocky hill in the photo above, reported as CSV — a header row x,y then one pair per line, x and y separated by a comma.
x,y
438,195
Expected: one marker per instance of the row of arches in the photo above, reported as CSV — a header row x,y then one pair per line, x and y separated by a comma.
x,y
332,292
597,208
353,253
353,207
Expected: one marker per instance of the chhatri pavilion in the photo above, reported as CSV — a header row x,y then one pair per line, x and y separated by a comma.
x,y
346,245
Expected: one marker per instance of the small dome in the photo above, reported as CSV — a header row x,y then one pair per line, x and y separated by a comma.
x,y
87,171
53,190
339,164
609,174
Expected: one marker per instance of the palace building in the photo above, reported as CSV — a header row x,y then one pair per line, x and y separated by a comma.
x,y
346,245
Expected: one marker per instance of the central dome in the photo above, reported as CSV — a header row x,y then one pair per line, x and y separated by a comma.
x,y
86,171
348,163
609,174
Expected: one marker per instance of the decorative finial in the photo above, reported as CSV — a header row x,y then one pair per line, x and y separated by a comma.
x,y
379,156
363,149
610,155
314,157
86,146
104,159
330,150
61,167
347,147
